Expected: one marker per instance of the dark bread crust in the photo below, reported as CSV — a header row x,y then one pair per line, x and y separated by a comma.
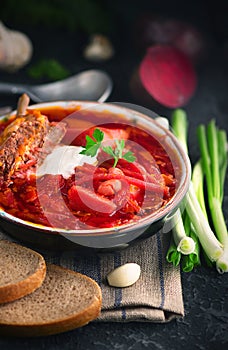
x,y
19,289
62,324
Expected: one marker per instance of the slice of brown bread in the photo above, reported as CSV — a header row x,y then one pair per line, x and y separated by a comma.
x,y
66,300
22,271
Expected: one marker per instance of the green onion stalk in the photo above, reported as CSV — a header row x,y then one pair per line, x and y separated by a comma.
x,y
181,244
195,202
213,148
191,260
173,256
198,184
184,243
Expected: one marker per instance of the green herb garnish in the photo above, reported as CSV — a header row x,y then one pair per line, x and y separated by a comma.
x,y
93,145
48,68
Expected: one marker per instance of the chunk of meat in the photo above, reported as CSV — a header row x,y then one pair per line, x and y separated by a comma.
x,y
115,133
83,199
110,187
21,140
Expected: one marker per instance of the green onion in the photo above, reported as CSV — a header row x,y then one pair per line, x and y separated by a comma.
x,y
179,124
185,244
195,200
193,259
173,256
198,184
180,243
209,242
223,159
213,148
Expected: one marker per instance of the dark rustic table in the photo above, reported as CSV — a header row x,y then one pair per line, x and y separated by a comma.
x,y
205,325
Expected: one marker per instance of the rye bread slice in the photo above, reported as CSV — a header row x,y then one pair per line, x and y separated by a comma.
x,y
66,300
22,271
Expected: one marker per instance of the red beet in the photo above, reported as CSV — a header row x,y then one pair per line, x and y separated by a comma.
x,y
168,76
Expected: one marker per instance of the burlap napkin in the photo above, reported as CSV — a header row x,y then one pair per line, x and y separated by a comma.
x,y
155,297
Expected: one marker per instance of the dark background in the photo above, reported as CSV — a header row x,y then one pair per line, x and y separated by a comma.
x,y
60,30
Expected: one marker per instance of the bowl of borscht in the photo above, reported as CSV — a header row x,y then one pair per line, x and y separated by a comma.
x,y
86,175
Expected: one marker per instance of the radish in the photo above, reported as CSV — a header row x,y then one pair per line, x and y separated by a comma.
x,y
168,76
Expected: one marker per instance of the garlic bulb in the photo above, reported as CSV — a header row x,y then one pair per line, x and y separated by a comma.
x,y
15,49
98,49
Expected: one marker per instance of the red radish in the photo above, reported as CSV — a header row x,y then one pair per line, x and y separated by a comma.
x,y
168,76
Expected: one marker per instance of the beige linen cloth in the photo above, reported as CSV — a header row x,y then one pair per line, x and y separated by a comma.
x,y
155,297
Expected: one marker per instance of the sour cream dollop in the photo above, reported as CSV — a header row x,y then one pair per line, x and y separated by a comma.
x,y
63,160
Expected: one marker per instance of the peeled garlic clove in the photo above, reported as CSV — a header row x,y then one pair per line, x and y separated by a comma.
x,y
98,49
124,275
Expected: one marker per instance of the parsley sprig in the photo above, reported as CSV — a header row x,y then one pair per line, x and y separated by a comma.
x,y
93,145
